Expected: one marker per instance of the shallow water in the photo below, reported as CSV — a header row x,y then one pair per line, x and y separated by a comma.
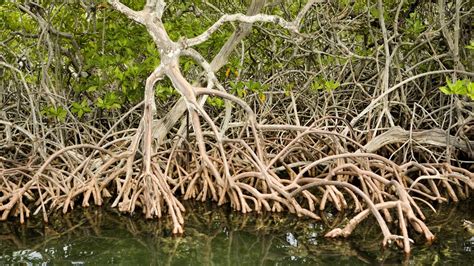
x,y
222,237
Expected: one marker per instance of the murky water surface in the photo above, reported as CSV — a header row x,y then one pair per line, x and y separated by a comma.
x,y
216,236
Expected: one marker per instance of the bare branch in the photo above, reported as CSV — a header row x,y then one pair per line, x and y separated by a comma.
x,y
130,13
157,6
241,18
374,102
237,36
305,10
436,137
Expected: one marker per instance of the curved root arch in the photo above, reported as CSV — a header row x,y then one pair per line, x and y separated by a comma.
x,y
252,165
268,167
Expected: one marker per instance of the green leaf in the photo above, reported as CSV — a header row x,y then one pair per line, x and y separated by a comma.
x,y
118,73
374,12
61,114
80,108
100,103
76,106
414,23
456,87
470,90
316,85
331,85
215,102
461,87
187,65
150,47
114,106
84,103
239,88
445,90
471,45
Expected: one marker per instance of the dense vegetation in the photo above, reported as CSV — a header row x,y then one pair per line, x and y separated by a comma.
x,y
358,105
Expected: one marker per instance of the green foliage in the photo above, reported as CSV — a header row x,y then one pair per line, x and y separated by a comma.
x,y
115,61
415,25
470,46
164,92
110,101
374,12
190,23
119,55
241,88
323,84
289,88
215,102
80,108
327,60
460,87
58,113
13,19
359,6
238,88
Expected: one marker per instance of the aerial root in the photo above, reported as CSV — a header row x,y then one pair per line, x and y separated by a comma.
x,y
265,168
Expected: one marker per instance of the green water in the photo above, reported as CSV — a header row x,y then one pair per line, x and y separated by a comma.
x,y
222,237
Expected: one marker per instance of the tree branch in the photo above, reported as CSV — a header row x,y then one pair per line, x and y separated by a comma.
x,y
436,137
241,18
157,6
130,13
305,10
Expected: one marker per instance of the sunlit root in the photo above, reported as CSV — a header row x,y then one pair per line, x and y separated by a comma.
x,y
247,180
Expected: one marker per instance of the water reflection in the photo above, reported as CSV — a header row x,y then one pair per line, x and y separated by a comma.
x,y
220,237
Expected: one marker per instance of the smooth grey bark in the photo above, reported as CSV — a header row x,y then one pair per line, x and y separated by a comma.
x,y
165,124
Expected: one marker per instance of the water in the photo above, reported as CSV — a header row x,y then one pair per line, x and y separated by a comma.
x,y
222,237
